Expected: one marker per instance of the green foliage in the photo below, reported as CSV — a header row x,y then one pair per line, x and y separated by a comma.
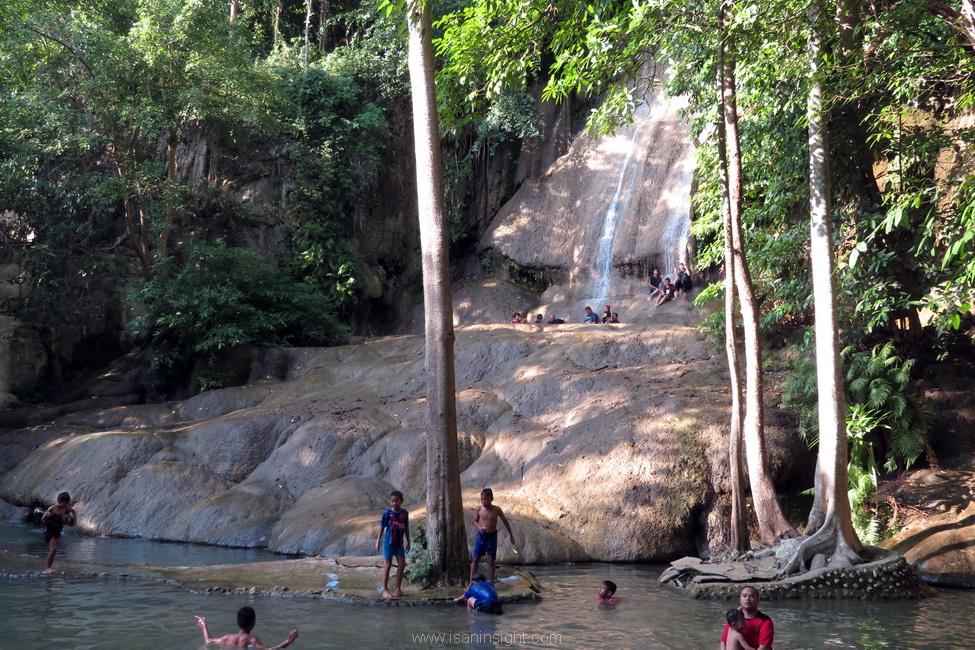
x,y
419,569
885,419
223,297
533,279
512,116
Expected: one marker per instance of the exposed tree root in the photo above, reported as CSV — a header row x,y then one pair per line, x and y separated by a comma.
x,y
829,541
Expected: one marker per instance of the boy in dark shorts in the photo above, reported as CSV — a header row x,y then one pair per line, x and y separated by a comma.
x,y
55,519
394,533
481,596
486,542
246,620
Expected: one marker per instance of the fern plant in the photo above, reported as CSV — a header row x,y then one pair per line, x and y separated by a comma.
x,y
885,419
879,380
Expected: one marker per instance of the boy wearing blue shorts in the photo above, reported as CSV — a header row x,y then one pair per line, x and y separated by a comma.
x,y
486,542
394,535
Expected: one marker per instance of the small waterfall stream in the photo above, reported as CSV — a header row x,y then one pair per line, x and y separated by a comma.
x,y
677,197
604,252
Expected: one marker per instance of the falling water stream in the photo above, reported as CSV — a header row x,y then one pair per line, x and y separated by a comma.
x,y
604,252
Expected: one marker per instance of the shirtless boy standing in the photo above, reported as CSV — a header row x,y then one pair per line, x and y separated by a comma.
x,y
486,542
246,620
55,519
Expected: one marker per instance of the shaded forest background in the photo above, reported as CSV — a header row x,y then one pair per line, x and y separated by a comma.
x,y
186,178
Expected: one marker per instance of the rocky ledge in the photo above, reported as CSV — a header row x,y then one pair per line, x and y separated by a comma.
x,y
353,580
884,576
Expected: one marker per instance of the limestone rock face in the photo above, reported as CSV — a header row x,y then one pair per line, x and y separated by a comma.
x,y
600,442
941,548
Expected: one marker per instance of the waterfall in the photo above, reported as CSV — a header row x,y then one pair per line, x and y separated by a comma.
x,y
677,198
604,251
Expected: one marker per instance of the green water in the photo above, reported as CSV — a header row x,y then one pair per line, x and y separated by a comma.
x,y
56,612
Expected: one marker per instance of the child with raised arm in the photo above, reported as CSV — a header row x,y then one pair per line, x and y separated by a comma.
x,y
55,519
246,620
486,521
394,533
736,623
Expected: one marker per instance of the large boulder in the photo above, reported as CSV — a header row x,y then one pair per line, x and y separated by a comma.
x,y
941,547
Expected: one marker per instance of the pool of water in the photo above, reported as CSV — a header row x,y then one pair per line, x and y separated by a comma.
x,y
66,613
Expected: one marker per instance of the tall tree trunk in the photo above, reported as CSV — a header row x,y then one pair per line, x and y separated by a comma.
x,y
739,523
322,31
831,519
445,522
162,244
850,113
308,15
234,9
772,524
276,29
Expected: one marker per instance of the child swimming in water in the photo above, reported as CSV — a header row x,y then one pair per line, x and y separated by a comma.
x,y
607,594
736,623
246,620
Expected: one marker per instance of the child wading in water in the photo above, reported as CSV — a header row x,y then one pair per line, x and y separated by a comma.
x,y
486,542
736,623
246,620
395,523
54,520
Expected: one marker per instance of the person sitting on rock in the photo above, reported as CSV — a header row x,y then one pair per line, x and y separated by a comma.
x,y
683,284
653,287
667,292
516,319
246,620
539,319
552,320
757,628
591,316
607,314
607,593
481,596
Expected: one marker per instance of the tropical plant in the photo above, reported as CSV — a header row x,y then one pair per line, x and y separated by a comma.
x,y
223,297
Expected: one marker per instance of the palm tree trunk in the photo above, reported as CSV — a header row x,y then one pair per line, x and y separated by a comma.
x,y
445,524
772,524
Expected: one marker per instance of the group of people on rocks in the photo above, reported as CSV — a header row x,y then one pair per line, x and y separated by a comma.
x,y
607,315
663,290
659,289
537,319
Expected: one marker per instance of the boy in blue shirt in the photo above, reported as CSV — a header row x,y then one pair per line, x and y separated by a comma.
x,y
394,533
481,596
